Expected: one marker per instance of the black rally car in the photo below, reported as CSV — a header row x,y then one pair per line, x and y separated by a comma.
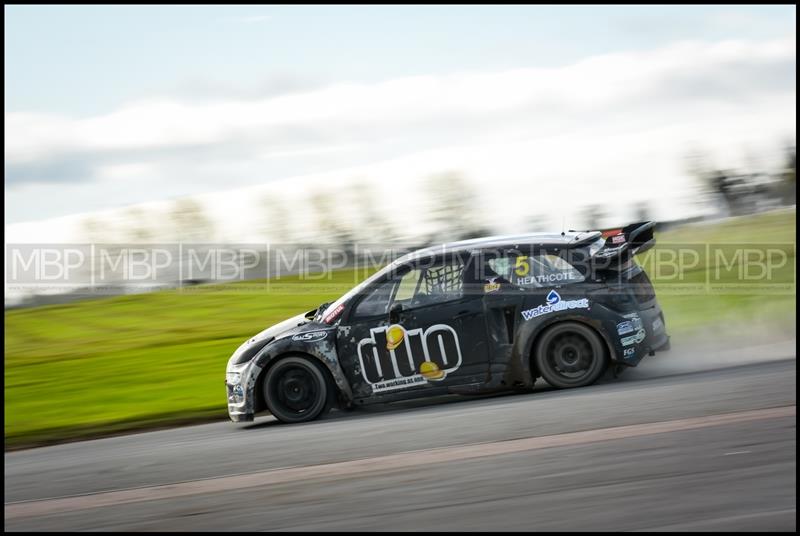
x,y
474,316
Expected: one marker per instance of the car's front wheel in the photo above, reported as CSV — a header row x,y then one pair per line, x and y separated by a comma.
x,y
296,389
570,354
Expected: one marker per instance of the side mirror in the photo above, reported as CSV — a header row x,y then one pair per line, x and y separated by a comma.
x,y
394,313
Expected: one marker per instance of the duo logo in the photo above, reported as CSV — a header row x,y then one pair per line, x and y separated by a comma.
x,y
393,358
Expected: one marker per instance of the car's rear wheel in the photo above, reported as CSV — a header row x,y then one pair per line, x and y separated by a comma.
x,y
570,354
296,389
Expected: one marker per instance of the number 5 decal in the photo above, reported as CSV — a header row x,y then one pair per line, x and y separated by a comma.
x,y
522,267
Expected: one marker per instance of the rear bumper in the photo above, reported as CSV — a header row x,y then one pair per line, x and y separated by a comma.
x,y
643,334
663,347
657,339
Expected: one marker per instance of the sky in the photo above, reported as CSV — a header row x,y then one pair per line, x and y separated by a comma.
x,y
542,108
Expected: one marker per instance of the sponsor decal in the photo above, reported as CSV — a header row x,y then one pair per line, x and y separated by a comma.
x,y
625,327
491,285
609,251
555,303
311,336
634,339
333,315
628,352
633,320
394,336
393,358
431,371
611,232
619,239
555,277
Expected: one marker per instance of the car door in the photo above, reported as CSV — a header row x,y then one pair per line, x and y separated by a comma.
x,y
502,302
415,329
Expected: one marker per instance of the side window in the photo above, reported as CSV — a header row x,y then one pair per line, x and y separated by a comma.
x,y
502,267
439,283
408,287
376,301
535,271
418,287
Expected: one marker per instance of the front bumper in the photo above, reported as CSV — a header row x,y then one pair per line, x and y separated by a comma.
x,y
236,416
240,382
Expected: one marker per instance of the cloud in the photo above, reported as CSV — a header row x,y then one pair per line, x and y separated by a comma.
x,y
737,21
690,89
206,89
251,19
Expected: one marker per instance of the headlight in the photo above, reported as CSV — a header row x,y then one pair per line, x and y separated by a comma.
x,y
233,378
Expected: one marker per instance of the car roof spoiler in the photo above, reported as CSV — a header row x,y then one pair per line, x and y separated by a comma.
x,y
623,243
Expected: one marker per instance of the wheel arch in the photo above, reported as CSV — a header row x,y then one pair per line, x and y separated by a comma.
x,y
526,360
322,354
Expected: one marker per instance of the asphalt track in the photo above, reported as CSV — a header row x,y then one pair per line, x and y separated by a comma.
x,y
691,440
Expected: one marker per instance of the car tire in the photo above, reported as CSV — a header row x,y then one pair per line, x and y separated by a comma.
x,y
570,354
297,389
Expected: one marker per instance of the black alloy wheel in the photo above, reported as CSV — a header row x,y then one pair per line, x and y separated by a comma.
x,y
296,390
570,354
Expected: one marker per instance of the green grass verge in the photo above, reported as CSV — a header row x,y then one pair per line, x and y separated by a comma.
x,y
712,295
150,360
136,361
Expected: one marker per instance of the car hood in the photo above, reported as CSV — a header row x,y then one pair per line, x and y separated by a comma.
x,y
250,347
281,328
